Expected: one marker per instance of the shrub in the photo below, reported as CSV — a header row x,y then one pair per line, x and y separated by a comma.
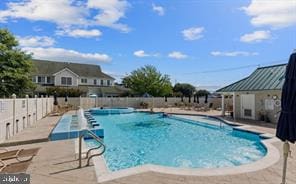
x,y
62,92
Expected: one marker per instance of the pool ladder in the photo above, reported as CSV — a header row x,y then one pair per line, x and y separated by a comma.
x,y
98,140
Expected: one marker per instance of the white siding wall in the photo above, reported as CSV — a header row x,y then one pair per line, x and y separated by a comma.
x,y
260,97
86,102
18,114
90,81
65,73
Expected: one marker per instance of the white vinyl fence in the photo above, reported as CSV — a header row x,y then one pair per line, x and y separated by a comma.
x,y
156,102
16,114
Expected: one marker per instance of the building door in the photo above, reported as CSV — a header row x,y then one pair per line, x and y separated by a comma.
x,y
248,106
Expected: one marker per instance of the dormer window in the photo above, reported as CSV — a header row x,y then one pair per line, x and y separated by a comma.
x,y
108,83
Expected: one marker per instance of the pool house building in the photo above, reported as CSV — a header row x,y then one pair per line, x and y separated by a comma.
x,y
256,97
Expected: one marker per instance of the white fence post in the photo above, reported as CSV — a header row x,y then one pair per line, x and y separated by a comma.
x,y
42,106
36,107
13,114
27,105
46,106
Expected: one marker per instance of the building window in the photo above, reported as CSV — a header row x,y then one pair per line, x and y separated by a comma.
x,y
83,80
48,80
108,83
34,79
95,81
69,81
102,82
41,79
66,81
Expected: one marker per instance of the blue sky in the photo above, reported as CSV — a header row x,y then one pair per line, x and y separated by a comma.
x,y
206,43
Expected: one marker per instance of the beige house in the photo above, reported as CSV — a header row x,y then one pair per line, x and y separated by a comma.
x,y
86,77
256,97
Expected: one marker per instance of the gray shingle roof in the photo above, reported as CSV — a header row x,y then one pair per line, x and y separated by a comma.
x,y
43,67
263,78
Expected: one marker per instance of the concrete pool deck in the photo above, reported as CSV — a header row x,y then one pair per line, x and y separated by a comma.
x,y
37,132
55,163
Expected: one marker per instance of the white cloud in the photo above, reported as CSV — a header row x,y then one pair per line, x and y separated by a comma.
x,y
61,54
193,33
35,41
109,13
158,9
142,53
274,13
67,13
61,12
177,55
233,53
256,36
79,33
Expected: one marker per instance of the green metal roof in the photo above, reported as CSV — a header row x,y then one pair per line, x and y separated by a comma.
x,y
263,78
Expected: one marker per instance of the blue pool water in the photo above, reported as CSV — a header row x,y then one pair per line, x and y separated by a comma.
x,y
142,138
118,110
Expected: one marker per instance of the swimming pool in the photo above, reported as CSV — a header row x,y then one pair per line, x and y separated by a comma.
x,y
142,138
114,110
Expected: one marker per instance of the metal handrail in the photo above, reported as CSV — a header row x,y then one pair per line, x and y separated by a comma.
x,y
95,137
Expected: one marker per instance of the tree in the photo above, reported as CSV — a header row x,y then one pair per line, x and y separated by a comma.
x,y
148,80
202,92
15,66
185,89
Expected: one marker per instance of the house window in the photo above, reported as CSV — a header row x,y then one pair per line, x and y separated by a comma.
x,y
95,81
34,79
102,82
69,81
108,82
66,81
83,80
48,80
41,79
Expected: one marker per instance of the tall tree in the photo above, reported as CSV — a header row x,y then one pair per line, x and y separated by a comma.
x,y
185,89
15,66
148,80
202,92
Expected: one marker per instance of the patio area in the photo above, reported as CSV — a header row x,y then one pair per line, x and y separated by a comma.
x,y
56,162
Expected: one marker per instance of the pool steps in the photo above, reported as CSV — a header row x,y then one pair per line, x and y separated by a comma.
x,y
91,120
